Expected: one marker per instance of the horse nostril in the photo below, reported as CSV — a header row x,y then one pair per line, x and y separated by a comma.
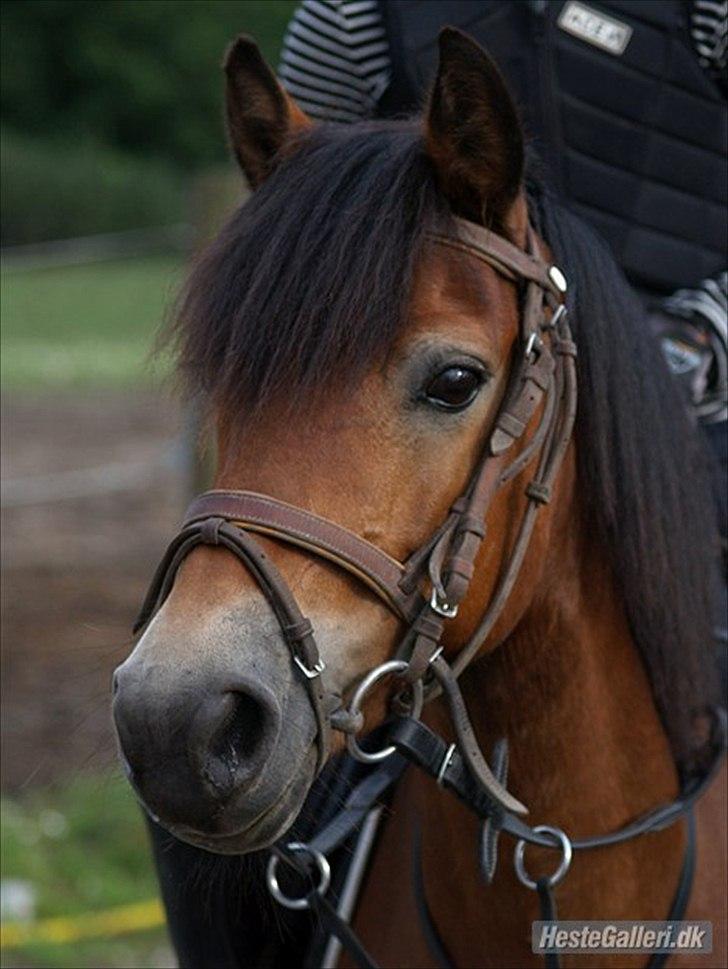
x,y
190,753
238,742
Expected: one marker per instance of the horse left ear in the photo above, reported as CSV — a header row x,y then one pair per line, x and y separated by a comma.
x,y
472,132
261,116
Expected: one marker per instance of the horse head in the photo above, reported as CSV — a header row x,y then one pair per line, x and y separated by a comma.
x,y
376,333
373,415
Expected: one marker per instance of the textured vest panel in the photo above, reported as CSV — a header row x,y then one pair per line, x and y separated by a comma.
x,y
635,141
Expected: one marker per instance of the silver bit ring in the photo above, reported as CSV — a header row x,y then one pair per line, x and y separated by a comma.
x,y
396,667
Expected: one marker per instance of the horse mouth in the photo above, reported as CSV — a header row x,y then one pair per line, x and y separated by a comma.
x,y
260,832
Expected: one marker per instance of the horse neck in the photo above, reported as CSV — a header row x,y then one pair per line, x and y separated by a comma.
x,y
587,753
569,691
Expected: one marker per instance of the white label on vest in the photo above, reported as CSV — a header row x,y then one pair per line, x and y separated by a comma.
x,y
595,27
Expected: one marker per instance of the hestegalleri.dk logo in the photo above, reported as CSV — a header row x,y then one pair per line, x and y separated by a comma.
x,y
621,937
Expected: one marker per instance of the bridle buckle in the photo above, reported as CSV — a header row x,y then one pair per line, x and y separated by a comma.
x,y
310,673
441,606
533,346
446,760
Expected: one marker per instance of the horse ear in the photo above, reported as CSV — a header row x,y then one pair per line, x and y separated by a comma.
x,y
261,116
473,133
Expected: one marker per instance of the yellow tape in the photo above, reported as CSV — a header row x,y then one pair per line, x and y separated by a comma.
x,y
112,921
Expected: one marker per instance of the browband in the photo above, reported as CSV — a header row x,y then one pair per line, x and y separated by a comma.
x,y
505,257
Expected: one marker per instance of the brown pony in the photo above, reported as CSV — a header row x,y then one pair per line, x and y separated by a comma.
x,y
355,368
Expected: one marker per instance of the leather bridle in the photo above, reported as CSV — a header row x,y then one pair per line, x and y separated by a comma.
x,y
424,592
427,589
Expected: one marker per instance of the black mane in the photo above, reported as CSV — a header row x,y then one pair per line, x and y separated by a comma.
x,y
644,479
310,281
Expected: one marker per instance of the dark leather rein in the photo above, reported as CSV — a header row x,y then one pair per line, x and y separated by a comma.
x,y
427,589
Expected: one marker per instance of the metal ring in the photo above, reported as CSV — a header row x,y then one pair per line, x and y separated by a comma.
x,y
272,879
567,854
396,666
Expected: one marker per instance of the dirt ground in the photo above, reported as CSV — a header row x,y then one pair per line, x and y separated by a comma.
x,y
75,567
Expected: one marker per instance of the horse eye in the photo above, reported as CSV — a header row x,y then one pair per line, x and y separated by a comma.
x,y
454,388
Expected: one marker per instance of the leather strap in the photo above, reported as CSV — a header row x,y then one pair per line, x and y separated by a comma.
x,y
270,516
419,744
541,374
498,252
468,743
416,743
684,888
548,913
336,926
296,628
434,940
359,802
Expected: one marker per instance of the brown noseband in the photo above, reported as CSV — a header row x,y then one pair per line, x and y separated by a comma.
x,y
426,589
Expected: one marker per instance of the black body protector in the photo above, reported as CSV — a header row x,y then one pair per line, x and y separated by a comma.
x,y
627,123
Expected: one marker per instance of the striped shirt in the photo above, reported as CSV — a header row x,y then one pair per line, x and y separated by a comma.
x,y
336,64
335,59
708,303
709,29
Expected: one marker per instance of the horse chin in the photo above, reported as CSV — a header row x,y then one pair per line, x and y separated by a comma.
x,y
264,830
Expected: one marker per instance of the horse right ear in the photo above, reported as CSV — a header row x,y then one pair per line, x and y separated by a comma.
x,y
261,116
472,132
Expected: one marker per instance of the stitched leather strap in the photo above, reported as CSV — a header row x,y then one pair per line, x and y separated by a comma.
x,y
502,255
269,516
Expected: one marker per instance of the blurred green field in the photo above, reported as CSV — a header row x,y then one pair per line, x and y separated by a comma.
x,y
83,847
85,326
112,121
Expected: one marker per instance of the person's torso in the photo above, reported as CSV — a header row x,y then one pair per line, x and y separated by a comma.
x,y
629,126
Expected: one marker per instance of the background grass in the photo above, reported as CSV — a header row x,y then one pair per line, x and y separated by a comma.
x,y
112,115
85,326
83,846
